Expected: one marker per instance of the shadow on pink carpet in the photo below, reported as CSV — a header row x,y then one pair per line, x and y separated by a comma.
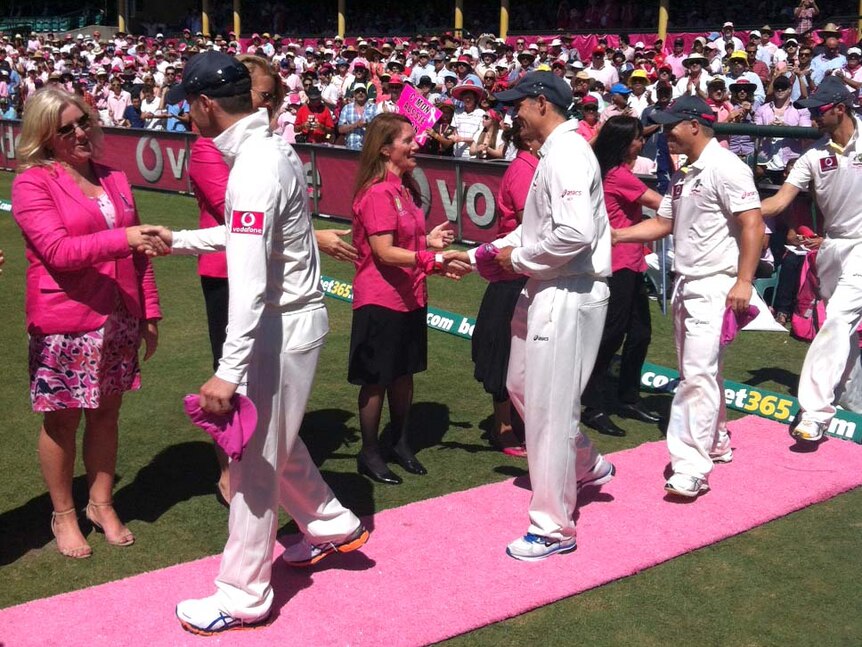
x,y
437,568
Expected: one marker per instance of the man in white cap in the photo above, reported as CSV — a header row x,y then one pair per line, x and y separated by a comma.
x,y
696,78
713,211
830,172
424,67
728,37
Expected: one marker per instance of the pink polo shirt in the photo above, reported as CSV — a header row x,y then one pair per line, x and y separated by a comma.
x,y
387,207
209,173
622,191
514,187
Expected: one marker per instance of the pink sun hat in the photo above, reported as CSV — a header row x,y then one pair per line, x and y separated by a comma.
x,y
230,431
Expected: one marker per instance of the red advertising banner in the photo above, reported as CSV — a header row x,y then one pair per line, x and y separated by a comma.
x,y
462,192
150,159
9,133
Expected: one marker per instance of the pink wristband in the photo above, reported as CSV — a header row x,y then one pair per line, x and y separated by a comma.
x,y
426,262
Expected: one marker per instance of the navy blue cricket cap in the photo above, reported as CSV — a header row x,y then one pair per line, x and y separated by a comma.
x,y
534,84
686,108
830,92
213,74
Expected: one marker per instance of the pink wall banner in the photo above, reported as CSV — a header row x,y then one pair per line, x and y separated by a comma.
x,y
461,192
421,112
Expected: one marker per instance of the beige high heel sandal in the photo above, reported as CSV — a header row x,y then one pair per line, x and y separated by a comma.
x,y
127,538
79,552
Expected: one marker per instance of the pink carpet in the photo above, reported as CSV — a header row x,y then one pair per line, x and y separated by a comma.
x,y
437,568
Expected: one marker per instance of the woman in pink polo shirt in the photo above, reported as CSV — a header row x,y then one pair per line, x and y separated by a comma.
x,y
492,335
388,339
617,147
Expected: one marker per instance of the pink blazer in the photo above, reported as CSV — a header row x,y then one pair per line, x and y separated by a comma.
x,y
77,265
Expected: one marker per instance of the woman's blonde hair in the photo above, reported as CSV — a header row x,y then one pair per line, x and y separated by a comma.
x,y
264,67
382,131
40,124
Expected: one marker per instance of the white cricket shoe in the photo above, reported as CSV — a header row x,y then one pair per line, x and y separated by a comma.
x,y
532,548
808,430
602,472
687,486
725,457
205,617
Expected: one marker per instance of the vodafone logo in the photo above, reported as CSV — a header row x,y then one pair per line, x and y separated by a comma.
x,y
247,222
828,163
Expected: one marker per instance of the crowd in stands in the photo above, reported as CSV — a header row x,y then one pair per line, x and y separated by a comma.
x,y
332,90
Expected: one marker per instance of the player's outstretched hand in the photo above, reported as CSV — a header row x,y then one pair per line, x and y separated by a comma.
x,y
455,269
151,240
440,237
331,243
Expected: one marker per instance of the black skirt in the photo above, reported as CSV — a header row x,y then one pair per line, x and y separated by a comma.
x,y
492,336
386,344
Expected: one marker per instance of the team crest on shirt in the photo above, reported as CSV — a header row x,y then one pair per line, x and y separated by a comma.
x,y
246,222
398,204
828,163
676,192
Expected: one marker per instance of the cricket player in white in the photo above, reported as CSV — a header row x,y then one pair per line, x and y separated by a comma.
x,y
563,246
276,328
832,171
713,211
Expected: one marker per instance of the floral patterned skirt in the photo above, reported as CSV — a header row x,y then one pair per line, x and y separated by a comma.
x,y
74,371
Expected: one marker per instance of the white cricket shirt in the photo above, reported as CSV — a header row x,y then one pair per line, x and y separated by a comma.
x,y
834,177
273,263
702,201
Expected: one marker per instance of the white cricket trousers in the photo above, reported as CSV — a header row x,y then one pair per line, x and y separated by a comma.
x,y
556,330
697,428
276,467
835,349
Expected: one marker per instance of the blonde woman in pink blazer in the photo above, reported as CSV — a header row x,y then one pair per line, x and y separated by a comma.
x,y
91,299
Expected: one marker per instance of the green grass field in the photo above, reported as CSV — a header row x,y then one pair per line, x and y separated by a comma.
x,y
794,581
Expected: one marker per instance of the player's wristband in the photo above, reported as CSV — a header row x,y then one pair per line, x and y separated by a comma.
x,y
428,262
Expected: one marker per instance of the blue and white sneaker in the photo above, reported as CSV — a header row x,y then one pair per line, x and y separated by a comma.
x,y
602,472
205,618
532,548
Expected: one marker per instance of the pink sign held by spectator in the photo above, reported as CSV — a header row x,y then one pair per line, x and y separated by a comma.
x,y
421,112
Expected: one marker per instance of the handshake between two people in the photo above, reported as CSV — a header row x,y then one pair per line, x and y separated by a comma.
x,y
492,263
152,240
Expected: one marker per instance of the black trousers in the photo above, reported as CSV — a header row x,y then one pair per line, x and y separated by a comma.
x,y
628,325
216,300
789,274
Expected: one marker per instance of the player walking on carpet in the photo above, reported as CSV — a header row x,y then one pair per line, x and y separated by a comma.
x,y
713,211
563,247
277,325
832,172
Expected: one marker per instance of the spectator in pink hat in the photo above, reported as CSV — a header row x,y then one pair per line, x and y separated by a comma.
x,y
464,71
468,119
489,144
287,119
588,127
